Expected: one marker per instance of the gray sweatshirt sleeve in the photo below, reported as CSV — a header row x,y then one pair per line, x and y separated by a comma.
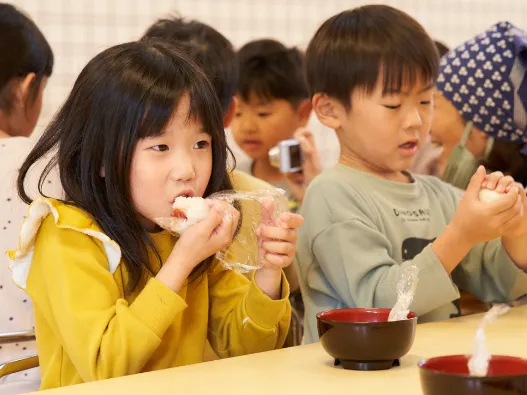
x,y
489,273
355,258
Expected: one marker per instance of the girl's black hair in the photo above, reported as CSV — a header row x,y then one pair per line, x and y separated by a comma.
x,y
126,93
23,50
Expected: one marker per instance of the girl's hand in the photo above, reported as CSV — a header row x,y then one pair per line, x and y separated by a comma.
x,y
199,242
277,247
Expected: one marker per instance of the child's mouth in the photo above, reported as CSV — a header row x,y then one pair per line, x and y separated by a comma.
x,y
409,148
252,145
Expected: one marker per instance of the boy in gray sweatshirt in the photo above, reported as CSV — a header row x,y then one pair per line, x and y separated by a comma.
x,y
371,73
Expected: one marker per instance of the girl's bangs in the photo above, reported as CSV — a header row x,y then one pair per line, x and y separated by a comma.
x,y
161,105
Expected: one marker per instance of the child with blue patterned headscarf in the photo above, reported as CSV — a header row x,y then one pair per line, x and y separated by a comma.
x,y
481,106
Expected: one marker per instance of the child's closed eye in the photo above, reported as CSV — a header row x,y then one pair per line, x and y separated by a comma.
x,y
426,102
264,114
392,107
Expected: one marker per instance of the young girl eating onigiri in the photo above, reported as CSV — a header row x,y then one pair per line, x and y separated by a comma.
x,y
113,293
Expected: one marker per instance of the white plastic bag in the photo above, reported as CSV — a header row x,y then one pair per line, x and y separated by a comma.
x,y
405,294
261,207
478,363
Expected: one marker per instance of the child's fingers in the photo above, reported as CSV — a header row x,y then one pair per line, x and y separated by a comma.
x,y
492,179
504,184
476,183
307,145
503,204
267,211
521,191
278,233
307,141
512,212
212,221
279,247
222,235
304,133
224,206
292,221
513,222
279,260
235,219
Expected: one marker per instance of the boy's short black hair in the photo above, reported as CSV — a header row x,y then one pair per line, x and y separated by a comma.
x,y
350,49
271,71
207,47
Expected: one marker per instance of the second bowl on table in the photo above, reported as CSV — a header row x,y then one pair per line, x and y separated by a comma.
x,y
363,339
450,375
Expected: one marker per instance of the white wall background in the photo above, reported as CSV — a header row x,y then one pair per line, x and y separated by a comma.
x,y
78,29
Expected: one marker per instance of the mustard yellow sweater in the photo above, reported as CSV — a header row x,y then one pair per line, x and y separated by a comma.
x,y
87,329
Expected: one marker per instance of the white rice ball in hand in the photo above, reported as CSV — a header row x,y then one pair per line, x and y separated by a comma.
x,y
487,196
186,212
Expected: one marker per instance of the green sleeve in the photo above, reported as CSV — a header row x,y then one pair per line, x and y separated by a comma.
x,y
362,272
489,273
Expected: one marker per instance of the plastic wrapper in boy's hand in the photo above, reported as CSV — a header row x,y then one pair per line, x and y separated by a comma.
x,y
405,294
243,253
478,363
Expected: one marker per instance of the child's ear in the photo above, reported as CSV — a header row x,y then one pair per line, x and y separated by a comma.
x,y
23,89
325,108
304,112
229,115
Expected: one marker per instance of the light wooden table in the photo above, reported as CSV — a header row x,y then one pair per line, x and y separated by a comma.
x,y
309,370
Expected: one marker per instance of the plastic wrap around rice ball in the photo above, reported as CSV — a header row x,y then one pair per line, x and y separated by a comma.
x,y
257,208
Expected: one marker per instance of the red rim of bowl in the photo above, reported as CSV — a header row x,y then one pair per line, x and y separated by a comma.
x,y
468,376
366,309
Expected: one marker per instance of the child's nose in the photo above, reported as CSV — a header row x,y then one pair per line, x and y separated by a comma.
x,y
414,119
247,125
183,169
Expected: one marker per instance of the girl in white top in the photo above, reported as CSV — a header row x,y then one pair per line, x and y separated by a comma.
x,y
25,64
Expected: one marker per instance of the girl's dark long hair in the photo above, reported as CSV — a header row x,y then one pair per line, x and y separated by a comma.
x,y
125,93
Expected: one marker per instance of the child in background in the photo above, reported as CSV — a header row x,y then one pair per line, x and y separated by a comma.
x,y
481,106
141,126
368,218
215,55
427,158
479,100
272,105
25,66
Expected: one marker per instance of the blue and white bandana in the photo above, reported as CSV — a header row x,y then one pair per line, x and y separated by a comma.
x,y
486,80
